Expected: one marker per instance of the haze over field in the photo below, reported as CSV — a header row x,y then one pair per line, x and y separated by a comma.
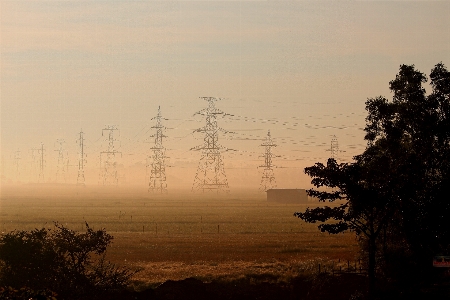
x,y
302,70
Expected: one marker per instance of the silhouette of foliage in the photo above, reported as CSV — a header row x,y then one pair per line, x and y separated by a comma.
x,y
71,264
365,210
26,293
413,132
395,193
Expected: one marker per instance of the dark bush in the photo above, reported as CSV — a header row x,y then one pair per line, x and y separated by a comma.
x,y
71,264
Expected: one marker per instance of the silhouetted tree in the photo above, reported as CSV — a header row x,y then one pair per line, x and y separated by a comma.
x,y
366,209
69,263
400,184
413,133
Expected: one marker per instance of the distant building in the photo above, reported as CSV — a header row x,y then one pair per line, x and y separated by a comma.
x,y
287,196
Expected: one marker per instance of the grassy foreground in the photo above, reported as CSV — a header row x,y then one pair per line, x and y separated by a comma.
x,y
178,237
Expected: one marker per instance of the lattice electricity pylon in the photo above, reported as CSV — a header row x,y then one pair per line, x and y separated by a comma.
x,y
63,162
2,167
34,164
81,160
41,163
210,176
17,164
334,149
109,165
268,179
157,181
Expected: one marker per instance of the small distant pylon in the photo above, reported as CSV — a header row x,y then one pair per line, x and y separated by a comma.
x,y
334,149
81,159
41,163
210,176
63,163
157,181
268,179
2,168
109,165
34,164
16,163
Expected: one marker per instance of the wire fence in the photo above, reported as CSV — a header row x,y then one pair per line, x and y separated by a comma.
x,y
342,267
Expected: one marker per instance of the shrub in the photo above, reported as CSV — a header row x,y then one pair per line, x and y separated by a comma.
x,y
71,264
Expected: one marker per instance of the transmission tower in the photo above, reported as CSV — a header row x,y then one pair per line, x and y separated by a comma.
x,y
157,181
34,164
210,174
63,162
81,159
16,163
109,165
268,179
2,168
334,149
41,163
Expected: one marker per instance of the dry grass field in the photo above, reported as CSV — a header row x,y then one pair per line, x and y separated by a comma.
x,y
186,236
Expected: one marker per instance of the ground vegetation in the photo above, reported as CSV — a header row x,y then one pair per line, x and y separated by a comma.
x,y
69,263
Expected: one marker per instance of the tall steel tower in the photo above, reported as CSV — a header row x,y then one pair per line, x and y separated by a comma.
x,y
268,178
210,174
34,164
334,149
63,162
157,181
81,159
109,165
17,160
41,163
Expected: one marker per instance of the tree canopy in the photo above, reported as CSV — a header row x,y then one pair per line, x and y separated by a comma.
x,y
413,132
401,182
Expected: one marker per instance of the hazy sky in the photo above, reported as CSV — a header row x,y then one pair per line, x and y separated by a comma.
x,y
302,70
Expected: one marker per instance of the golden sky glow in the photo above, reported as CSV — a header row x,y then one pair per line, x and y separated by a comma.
x,y
302,70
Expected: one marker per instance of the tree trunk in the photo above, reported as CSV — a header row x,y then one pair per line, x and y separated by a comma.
x,y
372,253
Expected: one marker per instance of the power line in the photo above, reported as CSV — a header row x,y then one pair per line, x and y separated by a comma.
x,y
268,179
334,148
63,162
109,165
210,176
41,163
34,164
17,160
157,181
81,159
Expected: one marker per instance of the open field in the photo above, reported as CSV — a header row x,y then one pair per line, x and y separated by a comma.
x,y
184,236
